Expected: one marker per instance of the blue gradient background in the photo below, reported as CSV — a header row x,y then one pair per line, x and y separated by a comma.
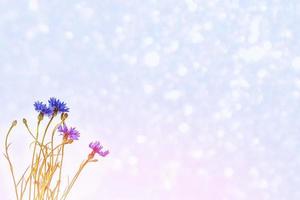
x,y
195,99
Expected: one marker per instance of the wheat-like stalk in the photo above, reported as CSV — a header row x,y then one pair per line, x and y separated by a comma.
x,y
43,176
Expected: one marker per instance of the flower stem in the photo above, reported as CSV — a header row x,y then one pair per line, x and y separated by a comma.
x,y
39,155
68,189
33,156
8,159
60,167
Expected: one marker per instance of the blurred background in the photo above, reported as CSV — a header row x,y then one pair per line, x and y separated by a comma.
x,y
195,99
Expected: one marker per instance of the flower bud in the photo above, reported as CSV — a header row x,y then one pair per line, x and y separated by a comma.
x,y
14,123
41,116
64,116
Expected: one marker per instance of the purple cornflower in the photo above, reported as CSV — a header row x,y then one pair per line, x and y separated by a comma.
x,y
68,133
57,105
97,147
42,108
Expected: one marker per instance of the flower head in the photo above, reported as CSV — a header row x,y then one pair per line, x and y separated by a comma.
x,y
68,133
42,108
57,105
97,147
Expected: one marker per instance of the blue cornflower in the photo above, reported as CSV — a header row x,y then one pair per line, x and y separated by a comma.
x,y
42,108
69,133
57,105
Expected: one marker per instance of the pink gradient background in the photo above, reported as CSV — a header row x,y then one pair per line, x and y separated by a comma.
x,y
196,100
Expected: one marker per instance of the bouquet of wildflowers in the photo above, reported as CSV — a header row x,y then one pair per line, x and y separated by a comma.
x,y
43,177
